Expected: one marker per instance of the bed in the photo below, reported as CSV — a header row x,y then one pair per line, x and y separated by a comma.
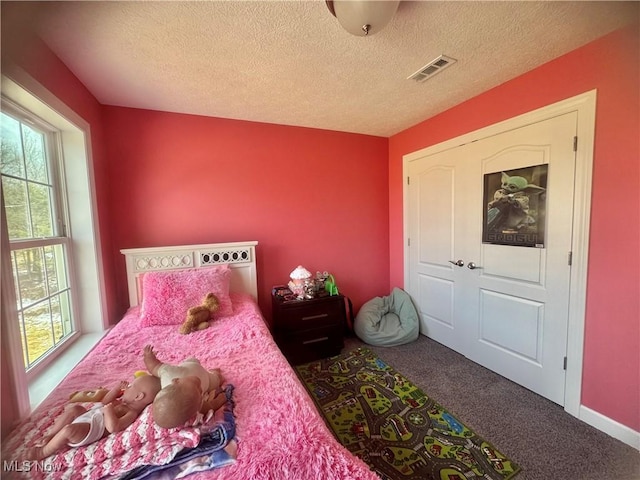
x,y
270,428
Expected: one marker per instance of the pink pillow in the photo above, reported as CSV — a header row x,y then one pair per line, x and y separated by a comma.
x,y
168,295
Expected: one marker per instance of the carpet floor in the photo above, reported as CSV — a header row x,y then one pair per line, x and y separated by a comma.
x,y
545,441
395,427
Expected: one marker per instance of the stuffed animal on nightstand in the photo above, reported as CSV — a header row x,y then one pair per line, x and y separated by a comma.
x,y
198,317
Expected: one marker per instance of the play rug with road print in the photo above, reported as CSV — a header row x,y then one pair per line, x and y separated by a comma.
x,y
395,428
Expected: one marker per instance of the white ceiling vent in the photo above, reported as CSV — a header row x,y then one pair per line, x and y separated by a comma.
x,y
431,68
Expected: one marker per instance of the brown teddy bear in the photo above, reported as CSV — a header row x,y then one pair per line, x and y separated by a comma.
x,y
198,317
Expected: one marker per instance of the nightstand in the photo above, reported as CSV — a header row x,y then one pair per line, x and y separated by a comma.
x,y
307,330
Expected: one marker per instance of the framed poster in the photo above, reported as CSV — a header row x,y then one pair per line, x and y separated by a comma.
x,y
514,210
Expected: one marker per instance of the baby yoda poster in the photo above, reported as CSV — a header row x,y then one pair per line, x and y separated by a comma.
x,y
515,207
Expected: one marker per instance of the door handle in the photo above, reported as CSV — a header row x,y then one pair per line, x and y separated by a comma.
x,y
472,266
459,263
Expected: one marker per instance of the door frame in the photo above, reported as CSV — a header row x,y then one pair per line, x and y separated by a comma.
x,y
585,105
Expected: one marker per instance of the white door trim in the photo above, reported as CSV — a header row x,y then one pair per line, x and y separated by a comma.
x,y
585,106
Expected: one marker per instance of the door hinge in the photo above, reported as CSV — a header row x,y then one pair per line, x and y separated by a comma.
x,y
564,366
408,181
408,242
575,143
570,258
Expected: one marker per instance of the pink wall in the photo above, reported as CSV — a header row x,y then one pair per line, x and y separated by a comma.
x,y
611,374
311,197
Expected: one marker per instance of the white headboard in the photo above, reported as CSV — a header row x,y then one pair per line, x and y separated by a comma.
x,y
241,257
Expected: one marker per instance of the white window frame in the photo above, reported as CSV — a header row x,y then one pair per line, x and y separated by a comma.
x,y
61,223
83,230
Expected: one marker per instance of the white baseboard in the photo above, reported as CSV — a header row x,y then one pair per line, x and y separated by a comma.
x,y
610,427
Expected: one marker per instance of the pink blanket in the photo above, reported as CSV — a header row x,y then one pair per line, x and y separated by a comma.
x,y
279,432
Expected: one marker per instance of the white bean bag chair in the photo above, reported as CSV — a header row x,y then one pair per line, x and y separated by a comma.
x,y
388,321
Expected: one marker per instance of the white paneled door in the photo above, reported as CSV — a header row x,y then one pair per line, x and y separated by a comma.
x,y
501,304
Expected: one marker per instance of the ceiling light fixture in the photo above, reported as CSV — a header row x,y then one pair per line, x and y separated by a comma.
x,y
363,17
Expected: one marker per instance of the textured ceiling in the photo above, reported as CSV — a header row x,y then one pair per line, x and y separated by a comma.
x,y
291,63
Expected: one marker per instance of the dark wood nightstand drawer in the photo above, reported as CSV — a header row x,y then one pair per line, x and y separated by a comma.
x,y
309,336
307,316
309,345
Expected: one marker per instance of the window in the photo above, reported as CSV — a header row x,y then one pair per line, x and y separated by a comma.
x,y
36,225
57,229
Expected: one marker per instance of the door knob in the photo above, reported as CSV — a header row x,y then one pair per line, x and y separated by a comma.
x,y
459,263
472,266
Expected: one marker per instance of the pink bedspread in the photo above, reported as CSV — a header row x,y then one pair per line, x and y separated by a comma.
x,y
280,434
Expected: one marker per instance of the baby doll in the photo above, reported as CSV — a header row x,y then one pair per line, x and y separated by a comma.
x,y
187,388
78,426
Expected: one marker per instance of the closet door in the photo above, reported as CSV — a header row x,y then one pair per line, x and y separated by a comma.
x,y
440,196
495,291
